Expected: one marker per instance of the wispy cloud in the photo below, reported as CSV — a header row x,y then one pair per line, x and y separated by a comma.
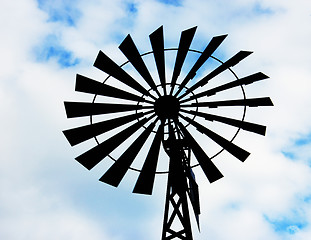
x,y
52,49
303,141
132,8
172,2
46,194
299,149
291,224
60,11
260,9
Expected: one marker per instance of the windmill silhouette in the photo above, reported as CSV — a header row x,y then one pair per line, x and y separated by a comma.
x,y
167,113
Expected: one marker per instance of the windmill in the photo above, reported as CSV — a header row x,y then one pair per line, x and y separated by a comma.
x,y
156,113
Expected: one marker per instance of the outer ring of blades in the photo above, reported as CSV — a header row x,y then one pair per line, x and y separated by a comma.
x,y
175,49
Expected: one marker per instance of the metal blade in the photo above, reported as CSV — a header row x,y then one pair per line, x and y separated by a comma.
x,y
236,151
211,171
130,50
251,102
144,184
208,51
81,109
104,63
242,81
229,63
251,127
157,43
87,85
183,48
81,134
116,172
93,156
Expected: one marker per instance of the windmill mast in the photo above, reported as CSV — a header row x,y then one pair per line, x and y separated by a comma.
x,y
176,222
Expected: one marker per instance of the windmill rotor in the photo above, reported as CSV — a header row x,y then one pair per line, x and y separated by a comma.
x,y
155,110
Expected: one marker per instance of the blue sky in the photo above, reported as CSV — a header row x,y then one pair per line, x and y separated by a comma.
x,y
46,194
52,49
60,11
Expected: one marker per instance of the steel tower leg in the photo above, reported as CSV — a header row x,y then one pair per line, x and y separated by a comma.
x,y
176,224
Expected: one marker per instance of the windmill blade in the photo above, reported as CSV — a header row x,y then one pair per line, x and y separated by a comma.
x,y
116,172
242,81
251,127
229,63
157,43
211,171
104,63
81,134
208,51
87,85
93,156
130,50
183,48
144,184
251,102
81,109
236,151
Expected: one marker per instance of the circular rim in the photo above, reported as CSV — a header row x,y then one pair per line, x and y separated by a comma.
x,y
175,49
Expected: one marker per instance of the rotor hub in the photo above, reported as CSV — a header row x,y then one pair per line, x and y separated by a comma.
x,y
167,107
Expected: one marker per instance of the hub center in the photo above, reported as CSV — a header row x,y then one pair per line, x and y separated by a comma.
x,y
167,107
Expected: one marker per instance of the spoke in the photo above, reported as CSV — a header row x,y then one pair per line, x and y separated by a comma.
x,y
251,102
208,51
157,43
242,81
87,85
251,127
144,184
117,171
229,63
81,109
104,63
183,48
81,134
93,156
211,171
130,50
236,151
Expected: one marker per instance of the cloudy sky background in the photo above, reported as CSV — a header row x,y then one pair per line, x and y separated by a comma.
x,y
46,194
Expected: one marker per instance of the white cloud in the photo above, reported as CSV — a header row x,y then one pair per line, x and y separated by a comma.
x,y
33,213
40,180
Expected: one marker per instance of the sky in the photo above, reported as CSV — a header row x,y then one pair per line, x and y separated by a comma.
x,y
46,194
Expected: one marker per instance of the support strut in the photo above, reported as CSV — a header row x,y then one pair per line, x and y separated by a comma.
x,y
176,224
